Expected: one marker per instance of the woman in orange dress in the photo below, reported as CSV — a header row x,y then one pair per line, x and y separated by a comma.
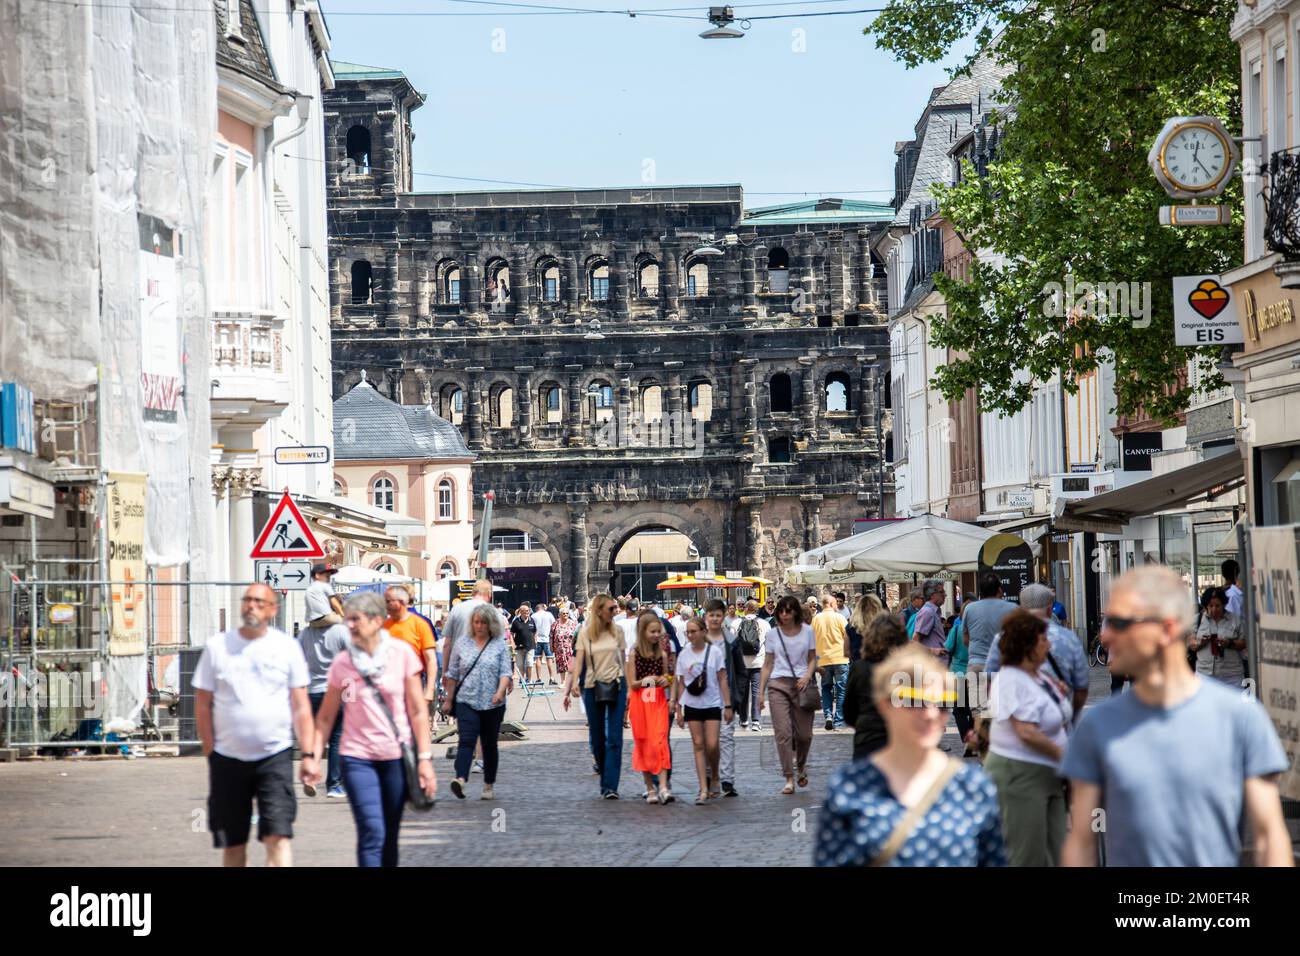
x,y
649,673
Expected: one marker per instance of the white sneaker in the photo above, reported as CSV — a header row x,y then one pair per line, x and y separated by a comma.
x,y
488,794
478,767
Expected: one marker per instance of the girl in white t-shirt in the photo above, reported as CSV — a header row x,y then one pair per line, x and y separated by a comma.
x,y
1031,713
699,692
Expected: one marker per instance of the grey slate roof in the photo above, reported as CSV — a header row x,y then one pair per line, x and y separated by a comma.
x,y
368,426
249,57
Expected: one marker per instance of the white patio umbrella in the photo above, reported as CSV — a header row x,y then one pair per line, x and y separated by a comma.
x,y
926,544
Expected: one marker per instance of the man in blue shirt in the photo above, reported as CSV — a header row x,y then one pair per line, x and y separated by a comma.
x,y
1167,770
1065,660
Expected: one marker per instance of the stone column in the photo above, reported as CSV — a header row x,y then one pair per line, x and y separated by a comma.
x,y
422,313
808,398
748,289
524,405
576,291
753,517
242,481
673,394
864,270
624,408
618,284
834,272
803,275
474,407
578,549
812,529
471,287
668,278
573,435
731,277
393,317
747,391
520,287
866,403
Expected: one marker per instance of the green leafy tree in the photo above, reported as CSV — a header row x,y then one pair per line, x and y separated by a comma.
x,y
1070,192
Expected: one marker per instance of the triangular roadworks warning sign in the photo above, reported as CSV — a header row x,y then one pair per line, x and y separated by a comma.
x,y
286,535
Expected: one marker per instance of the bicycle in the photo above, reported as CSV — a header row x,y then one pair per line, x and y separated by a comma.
x,y
1099,655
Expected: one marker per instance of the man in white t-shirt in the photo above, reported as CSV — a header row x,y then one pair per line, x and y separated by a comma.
x,y
544,620
748,636
250,696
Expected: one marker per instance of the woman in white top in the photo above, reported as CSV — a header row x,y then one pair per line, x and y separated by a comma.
x,y
788,666
1031,713
598,666
699,690
1219,641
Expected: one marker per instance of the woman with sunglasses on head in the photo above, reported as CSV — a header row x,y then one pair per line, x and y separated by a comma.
x,y
790,664
598,665
699,692
909,804
1032,714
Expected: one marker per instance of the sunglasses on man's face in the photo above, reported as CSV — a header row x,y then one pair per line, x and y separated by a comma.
x,y
1116,623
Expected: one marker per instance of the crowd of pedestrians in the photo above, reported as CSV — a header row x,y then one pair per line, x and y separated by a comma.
x,y
1041,764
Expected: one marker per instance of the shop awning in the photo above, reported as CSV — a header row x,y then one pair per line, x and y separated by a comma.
x,y
1021,524
1108,513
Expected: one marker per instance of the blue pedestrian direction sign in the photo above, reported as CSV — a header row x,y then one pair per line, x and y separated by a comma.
x,y
283,575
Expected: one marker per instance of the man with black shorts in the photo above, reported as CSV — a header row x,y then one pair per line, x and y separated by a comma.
x,y
250,694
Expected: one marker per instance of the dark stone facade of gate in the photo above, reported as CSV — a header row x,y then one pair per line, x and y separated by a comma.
x,y
618,359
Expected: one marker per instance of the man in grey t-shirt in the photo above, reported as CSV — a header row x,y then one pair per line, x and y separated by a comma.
x,y
320,641
982,619
1169,768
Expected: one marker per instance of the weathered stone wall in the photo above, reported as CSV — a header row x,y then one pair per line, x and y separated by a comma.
x,y
710,414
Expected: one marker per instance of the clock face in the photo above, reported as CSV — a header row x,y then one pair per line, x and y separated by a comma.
x,y
1194,158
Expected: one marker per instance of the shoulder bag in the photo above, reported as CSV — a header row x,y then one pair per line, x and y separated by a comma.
x,y
809,697
606,690
701,682
914,815
416,798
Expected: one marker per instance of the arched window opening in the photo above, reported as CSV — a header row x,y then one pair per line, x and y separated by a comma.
x,y
358,146
338,489
386,567
551,397
600,282
446,500
837,392
652,401
778,270
450,286
699,399
550,284
447,570
782,393
362,282
647,280
601,396
778,450
383,494
503,407
697,280
497,288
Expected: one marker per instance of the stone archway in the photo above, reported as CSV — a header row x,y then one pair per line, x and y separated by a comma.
x,y
507,520
613,539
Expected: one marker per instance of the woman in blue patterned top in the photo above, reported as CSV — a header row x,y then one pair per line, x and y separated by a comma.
x,y
478,676
909,804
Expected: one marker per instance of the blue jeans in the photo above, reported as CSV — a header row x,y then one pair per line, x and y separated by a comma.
x,y
605,734
333,775
377,794
478,726
833,680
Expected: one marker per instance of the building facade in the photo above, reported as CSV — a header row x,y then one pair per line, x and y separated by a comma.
x,y
620,360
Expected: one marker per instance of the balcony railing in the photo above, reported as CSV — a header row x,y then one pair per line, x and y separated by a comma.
x,y
243,344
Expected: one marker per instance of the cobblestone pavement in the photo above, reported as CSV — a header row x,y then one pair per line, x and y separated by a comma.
x,y
151,811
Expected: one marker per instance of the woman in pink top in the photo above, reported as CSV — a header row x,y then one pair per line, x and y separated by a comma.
x,y
374,663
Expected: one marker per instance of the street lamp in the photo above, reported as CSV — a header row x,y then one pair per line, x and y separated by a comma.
x,y
721,18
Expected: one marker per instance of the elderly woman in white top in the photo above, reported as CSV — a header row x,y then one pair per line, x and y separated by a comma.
x,y
1032,714
1219,641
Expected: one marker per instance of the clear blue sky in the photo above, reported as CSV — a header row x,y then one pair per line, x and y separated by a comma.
x,y
587,100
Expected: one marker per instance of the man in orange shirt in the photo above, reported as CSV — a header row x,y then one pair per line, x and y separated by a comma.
x,y
405,626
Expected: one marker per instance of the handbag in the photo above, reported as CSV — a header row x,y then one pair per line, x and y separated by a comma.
x,y
913,816
809,698
416,798
701,682
606,691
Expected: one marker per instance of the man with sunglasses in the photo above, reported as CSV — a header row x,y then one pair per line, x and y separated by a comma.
x,y
250,700
1169,768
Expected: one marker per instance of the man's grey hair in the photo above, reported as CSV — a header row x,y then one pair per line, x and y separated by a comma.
x,y
931,588
914,594
401,589
490,616
1037,597
365,603
1160,592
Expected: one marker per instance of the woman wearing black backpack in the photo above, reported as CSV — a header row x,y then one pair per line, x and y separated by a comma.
x,y
752,635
